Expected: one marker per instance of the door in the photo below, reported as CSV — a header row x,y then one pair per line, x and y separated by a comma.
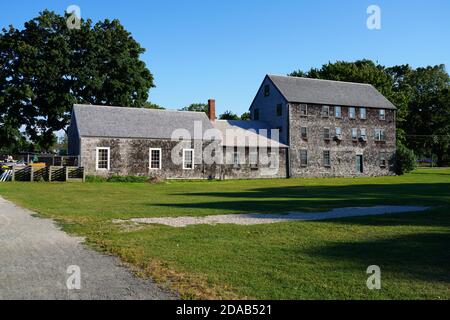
x,y
359,163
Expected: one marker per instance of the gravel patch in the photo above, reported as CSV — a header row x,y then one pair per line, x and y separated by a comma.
x,y
255,218
35,256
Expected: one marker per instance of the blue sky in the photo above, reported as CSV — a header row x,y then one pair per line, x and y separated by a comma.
x,y
199,49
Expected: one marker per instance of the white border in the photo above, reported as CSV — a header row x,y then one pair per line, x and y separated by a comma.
x,y
193,162
96,158
150,158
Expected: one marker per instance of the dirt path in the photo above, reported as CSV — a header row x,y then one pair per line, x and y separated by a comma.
x,y
35,257
255,218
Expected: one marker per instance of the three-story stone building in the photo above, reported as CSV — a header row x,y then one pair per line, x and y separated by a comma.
x,y
332,128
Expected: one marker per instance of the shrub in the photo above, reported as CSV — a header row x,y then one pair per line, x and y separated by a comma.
x,y
405,159
95,179
127,179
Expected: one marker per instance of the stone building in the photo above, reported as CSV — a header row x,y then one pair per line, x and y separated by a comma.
x,y
299,128
332,128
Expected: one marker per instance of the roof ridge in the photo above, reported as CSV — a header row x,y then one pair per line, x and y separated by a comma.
x,y
305,78
134,108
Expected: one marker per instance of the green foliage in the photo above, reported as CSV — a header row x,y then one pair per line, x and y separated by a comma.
x,y
245,116
228,115
150,105
46,68
405,159
116,178
197,107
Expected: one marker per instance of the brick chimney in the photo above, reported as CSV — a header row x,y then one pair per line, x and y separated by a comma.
x,y
212,109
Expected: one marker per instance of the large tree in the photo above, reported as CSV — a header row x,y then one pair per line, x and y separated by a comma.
x,y
47,67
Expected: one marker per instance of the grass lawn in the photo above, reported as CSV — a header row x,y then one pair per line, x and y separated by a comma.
x,y
290,260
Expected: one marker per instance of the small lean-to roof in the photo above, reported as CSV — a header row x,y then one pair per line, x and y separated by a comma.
x,y
246,133
125,122
317,91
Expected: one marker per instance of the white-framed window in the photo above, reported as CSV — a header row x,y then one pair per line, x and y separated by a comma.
x,y
363,134
338,132
362,113
382,114
338,112
236,159
304,132
352,113
155,158
304,110
354,133
273,160
102,158
326,134
303,157
188,159
253,159
379,135
382,159
326,158
325,111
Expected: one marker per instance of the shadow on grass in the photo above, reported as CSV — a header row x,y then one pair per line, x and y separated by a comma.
x,y
318,198
424,256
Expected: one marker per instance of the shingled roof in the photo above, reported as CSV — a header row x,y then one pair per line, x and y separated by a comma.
x,y
124,122
246,133
307,90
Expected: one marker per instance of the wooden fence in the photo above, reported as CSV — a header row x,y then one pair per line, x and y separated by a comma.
x,y
50,173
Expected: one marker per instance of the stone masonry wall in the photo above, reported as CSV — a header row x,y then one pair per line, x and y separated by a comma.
x,y
342,153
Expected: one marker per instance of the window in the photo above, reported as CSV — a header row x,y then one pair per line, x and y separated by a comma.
x,y
304,132
379,135
352,113
303,158
256,114
354,133
253,159
188,159
362,113
266,90
103,158
338,133
326,133
303,110
363,134
326,158
273,160
338,112
155,158
279,110
382,159
325,111
236,159
382,114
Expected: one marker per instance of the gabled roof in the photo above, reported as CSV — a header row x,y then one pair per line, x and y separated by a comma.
x,y
124,122
317,91
246,133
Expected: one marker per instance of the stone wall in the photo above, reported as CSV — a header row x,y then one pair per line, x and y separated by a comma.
x,y
131,157
342,153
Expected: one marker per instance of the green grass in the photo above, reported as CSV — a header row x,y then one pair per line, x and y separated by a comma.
x,y
291,260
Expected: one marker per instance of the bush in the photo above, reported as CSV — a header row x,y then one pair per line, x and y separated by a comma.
x,y
405,159
95,179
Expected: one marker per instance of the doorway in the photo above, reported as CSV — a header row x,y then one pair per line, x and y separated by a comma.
x,y
359,163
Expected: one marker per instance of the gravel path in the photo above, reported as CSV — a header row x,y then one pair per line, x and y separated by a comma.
x,y
35,256
250,219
